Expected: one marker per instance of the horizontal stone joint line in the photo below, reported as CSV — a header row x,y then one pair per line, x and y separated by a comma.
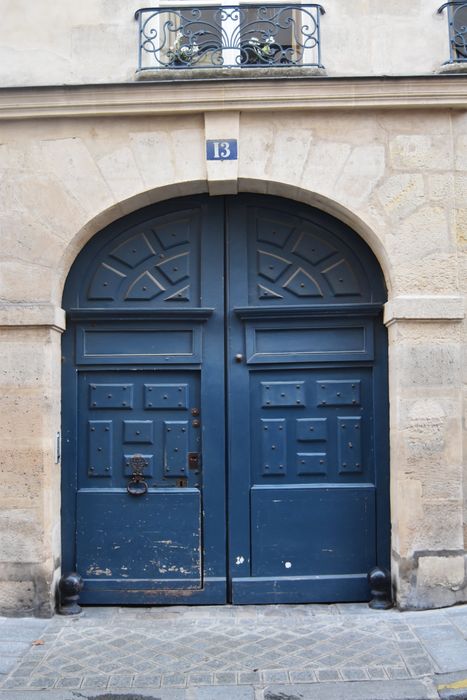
x,y
168,97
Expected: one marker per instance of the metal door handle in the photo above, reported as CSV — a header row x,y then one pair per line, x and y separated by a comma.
x,y
137,486
239,357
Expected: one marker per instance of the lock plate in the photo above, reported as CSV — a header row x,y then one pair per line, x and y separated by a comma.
x,y
194,460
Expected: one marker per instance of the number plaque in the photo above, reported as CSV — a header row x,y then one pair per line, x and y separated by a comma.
x,y
226,149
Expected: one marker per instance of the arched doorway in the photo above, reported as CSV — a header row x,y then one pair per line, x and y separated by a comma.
x,y
225,409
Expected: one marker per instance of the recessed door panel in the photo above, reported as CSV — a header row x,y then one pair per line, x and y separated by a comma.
x,y
164,431
303,425
312,531
143,540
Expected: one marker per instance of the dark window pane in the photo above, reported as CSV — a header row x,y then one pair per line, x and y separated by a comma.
x,y
459,31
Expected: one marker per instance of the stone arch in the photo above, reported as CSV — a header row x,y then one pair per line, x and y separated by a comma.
x,y
365,229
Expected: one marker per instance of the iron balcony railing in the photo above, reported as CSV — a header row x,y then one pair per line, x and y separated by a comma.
x,y
457,20
237,36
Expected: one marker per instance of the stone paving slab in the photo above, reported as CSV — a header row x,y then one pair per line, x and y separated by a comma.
x,y
159,653
446,645
246,648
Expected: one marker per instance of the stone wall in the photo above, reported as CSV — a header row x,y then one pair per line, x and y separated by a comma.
x,y
397,177
95,41
30,476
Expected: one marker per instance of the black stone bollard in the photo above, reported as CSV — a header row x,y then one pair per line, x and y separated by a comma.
x,y
380,589
69,588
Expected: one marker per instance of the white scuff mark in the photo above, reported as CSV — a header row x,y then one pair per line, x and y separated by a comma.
x,y
171,569
288,564
124,568
327,550
240,560
97,571
116,546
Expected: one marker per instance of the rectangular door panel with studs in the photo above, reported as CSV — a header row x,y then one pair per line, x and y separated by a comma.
x,y
155,429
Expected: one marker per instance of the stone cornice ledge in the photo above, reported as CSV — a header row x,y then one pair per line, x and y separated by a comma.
x,y
32,316
194,96
424,308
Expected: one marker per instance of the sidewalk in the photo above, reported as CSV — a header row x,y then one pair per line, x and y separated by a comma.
x,y
309,652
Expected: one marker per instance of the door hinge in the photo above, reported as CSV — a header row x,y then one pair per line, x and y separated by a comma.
x,y
58,447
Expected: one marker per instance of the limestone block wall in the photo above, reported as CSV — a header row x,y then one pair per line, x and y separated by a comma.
x,y
29,497
95,41
397,177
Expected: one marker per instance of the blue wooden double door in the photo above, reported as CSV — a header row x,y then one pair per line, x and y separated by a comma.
x,y
225,407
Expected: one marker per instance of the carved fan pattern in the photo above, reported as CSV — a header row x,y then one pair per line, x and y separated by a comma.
x,y
152,264
300,262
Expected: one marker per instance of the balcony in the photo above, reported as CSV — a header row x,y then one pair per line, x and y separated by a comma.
x,y
229,37
457,21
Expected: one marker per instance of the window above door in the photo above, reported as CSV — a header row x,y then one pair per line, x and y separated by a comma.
x,y
457,20
229,36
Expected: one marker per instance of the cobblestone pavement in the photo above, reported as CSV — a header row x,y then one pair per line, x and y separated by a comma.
x,y
182,647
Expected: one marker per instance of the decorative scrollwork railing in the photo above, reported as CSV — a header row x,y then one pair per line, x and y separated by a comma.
x,y
457,19
224,36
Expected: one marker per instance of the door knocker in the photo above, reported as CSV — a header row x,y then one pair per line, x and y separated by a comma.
x,y
137,486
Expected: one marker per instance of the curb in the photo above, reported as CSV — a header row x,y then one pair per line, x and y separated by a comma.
x,y
348,690
452,686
